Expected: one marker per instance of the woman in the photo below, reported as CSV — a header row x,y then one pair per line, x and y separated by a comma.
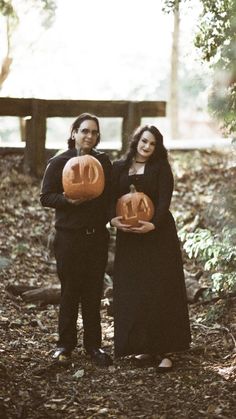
x,y
81,243
150,307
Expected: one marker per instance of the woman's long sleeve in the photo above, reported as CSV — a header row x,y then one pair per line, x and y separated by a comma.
x,y
165,190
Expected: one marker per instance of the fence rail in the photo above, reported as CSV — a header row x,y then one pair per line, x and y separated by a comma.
x,y
38,110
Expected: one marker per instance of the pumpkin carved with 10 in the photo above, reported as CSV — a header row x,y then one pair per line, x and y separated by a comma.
x,y
83,178
134,206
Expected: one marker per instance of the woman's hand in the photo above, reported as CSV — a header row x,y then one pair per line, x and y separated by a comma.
x,y
145,227
116,222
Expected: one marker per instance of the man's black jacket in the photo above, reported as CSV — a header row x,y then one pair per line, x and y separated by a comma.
x,y
90,214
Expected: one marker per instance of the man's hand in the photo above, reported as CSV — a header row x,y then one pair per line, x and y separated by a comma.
x,y
75,201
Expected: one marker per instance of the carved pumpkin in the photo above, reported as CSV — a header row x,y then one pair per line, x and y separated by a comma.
x,y
83,178
134,206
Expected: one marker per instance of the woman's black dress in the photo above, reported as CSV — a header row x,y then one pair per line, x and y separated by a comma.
x,y
150,306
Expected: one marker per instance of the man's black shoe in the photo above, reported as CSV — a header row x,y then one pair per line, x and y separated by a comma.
x,y
99,357
61,354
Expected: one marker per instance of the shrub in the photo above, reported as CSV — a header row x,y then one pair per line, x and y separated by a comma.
x,y
218,253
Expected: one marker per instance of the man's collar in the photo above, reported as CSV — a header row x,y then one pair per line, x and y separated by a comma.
x,y
79,152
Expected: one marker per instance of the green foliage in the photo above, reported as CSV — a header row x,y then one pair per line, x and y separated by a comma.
x,y
20,249
215,29
216,312
8,11
171,5
6,8
217,40
218,253
46,9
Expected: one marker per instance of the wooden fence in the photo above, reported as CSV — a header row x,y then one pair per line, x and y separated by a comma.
x,y
38,110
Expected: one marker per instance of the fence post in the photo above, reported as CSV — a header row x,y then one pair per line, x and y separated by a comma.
x,y
130,122
34,157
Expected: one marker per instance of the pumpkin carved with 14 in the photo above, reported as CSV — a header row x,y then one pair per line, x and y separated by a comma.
x,y
134,206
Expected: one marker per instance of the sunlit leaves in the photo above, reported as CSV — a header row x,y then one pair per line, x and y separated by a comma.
x,y
6,8
46,10
218,251
216,26
216,38
171,5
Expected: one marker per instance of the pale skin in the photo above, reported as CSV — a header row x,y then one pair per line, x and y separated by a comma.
x,y
85,139
145,149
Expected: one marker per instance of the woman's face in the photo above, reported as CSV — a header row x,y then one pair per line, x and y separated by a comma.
x,y
86,135
145,146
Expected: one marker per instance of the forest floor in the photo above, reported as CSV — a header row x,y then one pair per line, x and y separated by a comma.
x,y
32,386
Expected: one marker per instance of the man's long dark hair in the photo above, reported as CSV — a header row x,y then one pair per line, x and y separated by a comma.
x,y
160,152
76,124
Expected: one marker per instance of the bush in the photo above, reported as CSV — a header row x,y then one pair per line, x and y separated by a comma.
x,y
218,253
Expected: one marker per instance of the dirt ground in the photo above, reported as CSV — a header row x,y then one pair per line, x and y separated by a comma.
x,y
32,386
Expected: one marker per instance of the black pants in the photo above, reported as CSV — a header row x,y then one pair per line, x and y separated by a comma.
x,y
81,260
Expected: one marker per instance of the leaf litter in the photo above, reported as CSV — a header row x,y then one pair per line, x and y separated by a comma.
x,y
202,383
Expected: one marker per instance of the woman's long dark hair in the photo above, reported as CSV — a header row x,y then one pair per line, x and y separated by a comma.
x,y
160,152
76,124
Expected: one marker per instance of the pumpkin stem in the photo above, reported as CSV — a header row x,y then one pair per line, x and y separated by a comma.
x,y
132,189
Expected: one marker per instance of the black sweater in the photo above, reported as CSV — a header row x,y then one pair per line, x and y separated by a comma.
x,y
93,213
156,182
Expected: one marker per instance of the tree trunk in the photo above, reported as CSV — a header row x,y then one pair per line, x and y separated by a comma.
x,y
7,61
173,99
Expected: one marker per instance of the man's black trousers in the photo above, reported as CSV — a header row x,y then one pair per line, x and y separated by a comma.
x,y
81,257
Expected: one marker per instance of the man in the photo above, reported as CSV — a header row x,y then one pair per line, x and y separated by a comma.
x,y
81,244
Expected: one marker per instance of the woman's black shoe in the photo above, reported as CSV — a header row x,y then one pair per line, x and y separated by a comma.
x,y
144,360
99,357
61,354
165,365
